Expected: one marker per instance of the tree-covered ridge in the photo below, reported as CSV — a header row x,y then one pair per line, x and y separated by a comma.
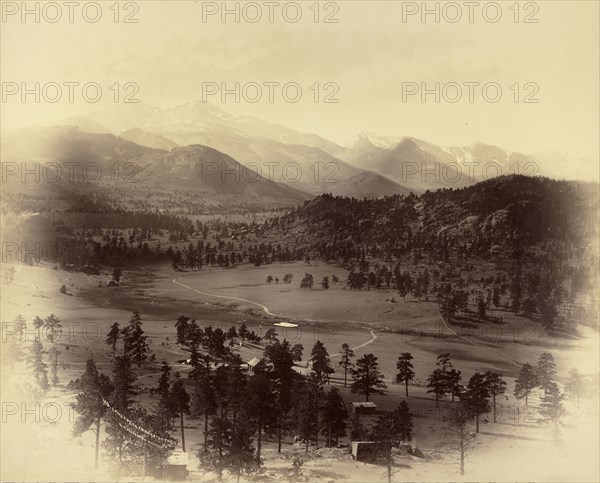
x,y
538,236
506,216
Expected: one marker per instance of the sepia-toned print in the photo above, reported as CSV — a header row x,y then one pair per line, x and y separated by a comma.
x,y
299,241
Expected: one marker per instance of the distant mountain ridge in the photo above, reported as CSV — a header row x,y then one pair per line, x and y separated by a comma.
x,y
107,165
384,165
144,138
424,166
181,122
215,176
306,162
421,165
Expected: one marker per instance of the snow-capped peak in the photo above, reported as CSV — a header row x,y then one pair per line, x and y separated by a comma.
x,y
381,141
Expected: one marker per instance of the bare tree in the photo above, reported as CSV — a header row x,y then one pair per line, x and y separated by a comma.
x,y
463,436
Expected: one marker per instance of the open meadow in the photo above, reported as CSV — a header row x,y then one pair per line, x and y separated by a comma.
x,y
212,298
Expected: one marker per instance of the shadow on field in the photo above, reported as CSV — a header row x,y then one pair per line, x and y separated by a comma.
x,y
510,436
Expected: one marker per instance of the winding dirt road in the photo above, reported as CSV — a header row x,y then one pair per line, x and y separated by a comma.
x,y
266,310
263,307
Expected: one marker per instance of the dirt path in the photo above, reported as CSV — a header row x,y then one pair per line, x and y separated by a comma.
x,y
263,307
515,363
364,344
267,311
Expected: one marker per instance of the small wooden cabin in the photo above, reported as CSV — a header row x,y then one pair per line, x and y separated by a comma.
x,y
363,407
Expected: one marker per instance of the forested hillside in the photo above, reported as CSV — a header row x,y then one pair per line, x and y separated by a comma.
x,y
539,235
503,218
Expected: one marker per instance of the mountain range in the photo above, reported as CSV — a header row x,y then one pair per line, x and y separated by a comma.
x,y
306,162
252,140
301,165
66,161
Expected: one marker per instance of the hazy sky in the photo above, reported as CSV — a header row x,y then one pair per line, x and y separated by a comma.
x,y
369,53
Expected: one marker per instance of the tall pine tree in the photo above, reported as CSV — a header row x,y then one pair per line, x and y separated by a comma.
x,y
89,406
368,379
